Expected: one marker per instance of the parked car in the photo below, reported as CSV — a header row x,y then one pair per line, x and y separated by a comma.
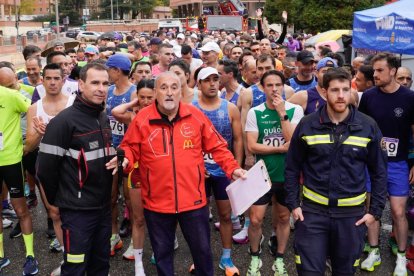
x,y
30,34
87,36
72,33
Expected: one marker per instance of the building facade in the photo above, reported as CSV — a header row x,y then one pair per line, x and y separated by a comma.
x,y
187,8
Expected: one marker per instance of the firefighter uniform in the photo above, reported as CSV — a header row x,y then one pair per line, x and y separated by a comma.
x,y
333,158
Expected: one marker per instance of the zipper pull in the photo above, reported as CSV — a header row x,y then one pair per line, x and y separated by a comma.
x,y
79,194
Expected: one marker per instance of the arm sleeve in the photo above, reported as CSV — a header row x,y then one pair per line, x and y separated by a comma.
x,y
260,34
377,168
294,159
215,144
282,36
52,150
297,115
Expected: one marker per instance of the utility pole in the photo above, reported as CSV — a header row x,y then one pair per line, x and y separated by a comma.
x,y
112,15
16,12
57,17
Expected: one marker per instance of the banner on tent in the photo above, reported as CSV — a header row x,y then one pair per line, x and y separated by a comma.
x,y
392,33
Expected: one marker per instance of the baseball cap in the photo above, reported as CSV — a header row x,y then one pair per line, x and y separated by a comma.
x,y
120,61
193,35
181,36
205,72
210,46
91,49
305,56
326,62
155,41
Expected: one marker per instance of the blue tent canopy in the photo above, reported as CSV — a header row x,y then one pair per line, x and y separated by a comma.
x,y
388,28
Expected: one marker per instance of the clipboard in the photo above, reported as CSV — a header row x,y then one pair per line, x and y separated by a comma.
x,y
244,192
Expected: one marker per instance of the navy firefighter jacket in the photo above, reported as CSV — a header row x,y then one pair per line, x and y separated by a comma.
x,y
333,159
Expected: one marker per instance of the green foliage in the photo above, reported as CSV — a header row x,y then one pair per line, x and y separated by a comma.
x,y
26,7
44,18
314,16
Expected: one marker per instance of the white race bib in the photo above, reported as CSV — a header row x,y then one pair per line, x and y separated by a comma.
x,y
1,141
391,145
208,158
117,128
274,140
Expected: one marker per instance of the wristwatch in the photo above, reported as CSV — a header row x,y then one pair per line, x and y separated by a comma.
x,y
284,117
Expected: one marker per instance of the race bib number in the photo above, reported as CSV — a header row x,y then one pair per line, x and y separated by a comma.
x,y
117,128
391,144
1,141
208,158
274,140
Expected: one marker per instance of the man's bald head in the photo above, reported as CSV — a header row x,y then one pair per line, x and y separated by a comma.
x,y
168,93
404,76
8,78
357,62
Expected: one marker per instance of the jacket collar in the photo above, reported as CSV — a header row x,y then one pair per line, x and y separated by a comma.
x,y
353,122
156,117
88,107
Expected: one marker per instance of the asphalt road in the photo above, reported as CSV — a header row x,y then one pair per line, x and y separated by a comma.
x,y
14,250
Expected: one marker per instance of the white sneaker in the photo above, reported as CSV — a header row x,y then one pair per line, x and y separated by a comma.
x,y
372,260
56,272
129,253
175,243
400,266
236,225
242,237
7,223
139,269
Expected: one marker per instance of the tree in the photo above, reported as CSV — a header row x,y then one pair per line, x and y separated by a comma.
x,y
317,16
26,6
73,9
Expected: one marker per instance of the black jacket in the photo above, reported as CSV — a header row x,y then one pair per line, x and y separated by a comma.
x,y
72,157
334,163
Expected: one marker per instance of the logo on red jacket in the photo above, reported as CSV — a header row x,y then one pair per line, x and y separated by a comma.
x,y
188,144
187,130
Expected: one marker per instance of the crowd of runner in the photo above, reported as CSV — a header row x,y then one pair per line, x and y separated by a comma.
x,y
255,90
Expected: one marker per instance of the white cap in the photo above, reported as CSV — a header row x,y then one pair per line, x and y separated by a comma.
x,y
193,35
211,46
181,36
205,72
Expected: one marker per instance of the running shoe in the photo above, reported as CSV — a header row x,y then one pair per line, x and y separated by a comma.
x,y
4,262
31,200
410,252
31,266
57,270
254,267
16,232
129,253
272,244
373,260
125,229
242,237
8,211
55,246
279,267
400,265
260,245
229,268
367,247
7,223
116,244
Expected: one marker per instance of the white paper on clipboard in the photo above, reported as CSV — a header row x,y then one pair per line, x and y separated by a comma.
x,y
244,192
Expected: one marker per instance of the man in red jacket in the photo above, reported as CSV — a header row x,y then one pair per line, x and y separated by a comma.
x,y
168,139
